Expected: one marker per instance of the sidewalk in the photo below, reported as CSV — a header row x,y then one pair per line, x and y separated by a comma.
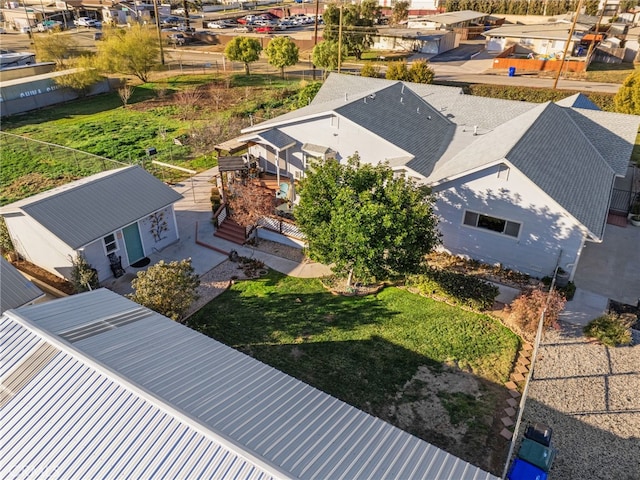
x,y
197,242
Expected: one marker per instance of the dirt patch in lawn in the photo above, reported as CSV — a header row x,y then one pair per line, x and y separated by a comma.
x,y
453,410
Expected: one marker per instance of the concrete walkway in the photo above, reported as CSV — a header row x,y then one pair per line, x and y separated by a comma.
x,y
195,227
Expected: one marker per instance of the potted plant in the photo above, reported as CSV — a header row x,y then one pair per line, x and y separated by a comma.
x,y
635,214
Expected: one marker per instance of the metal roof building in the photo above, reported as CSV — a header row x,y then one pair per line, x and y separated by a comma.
x,y
15,289
127,393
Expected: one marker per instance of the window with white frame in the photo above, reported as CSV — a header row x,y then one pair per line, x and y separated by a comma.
x,y
497,225
110,243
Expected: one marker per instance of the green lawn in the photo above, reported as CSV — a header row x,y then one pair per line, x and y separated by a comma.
x,y
101,126
359,349
609,72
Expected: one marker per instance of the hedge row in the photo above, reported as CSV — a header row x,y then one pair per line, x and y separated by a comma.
x,y
456,288
537,95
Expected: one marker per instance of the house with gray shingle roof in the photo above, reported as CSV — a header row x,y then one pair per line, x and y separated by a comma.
x,y
521,184
124,213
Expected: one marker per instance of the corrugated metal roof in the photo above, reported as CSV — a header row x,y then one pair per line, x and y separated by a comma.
x,y
97,427
450,18
267,414
15,289
85,210
277,139
552,31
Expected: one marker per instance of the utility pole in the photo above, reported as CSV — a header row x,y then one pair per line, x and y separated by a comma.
x,y
340,39
595,37
566,46
155,12
315,34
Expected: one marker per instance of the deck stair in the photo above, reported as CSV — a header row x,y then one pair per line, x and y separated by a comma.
x,y
231,231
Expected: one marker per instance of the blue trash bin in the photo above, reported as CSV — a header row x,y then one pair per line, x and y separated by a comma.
x,y
512,71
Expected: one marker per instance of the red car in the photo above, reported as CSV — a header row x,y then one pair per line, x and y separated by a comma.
x,y
264,29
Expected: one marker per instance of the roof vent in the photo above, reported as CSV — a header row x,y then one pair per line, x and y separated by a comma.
x,y
401,99
418,110
475,130
402,91
428,117
346,97
372,96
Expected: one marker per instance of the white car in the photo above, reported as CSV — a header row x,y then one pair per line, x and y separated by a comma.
x,y
216,24
85,22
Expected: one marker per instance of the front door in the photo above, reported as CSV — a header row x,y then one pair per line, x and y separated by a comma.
x,y
133,243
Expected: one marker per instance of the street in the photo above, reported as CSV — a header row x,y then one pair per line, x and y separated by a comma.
x,y
468,63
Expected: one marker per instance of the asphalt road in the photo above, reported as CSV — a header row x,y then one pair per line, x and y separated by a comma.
x,y
466,64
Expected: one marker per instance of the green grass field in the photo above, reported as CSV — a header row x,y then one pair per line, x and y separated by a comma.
x,y
157,114
359,349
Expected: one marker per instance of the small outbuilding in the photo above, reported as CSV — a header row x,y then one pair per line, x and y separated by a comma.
x,y
118,216
15,289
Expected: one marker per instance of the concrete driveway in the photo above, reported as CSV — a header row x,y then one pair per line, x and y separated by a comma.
x,y
612,268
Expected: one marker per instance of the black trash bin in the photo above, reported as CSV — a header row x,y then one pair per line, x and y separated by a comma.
x,y
538,432
512,71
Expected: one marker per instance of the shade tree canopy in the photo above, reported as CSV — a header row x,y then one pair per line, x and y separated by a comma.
x,y
282,52
364,220
133,51
243,49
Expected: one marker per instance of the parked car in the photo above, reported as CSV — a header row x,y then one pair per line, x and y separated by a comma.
x,y
264,29
216,24
84,22
243,29
179,39
48,25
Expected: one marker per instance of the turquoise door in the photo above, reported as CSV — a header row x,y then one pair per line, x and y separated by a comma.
x,y
132,243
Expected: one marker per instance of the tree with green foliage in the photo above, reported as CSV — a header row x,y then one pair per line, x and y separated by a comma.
x,y
421,72
370,70
83,276
364,220
167,288
397,71
307,93
400,12
282,52
53,46
6,245
357,25
133,51
325,55
243,49
627,100
82,78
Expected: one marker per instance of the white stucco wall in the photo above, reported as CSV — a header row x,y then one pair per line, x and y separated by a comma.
x,y
339,134
169,233
39,246
547,232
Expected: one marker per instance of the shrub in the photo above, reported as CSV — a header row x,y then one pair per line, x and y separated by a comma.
x,y
369,70
456,288
526,309
612,330
216,199
83,276
569,291
6,245
167,288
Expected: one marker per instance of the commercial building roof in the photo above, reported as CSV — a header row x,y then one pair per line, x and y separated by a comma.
x,y
128,393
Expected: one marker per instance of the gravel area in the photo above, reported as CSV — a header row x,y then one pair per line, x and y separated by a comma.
x,y
219,278
590,396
